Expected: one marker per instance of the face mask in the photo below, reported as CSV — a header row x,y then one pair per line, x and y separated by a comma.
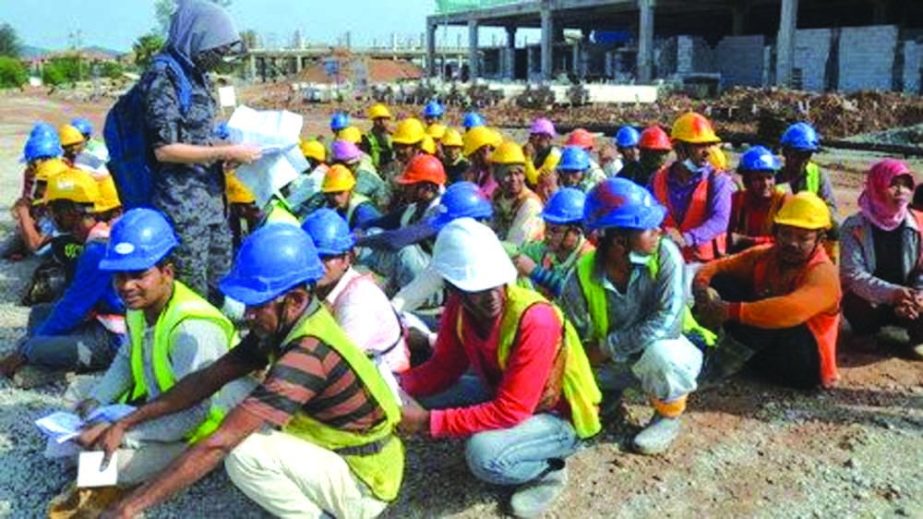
x,y
636,258
688,164
208,60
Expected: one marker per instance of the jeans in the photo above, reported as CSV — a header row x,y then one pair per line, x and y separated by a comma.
x,y
511,456
88,347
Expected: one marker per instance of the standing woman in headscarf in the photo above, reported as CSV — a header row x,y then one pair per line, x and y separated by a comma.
x,y
189,182
881,269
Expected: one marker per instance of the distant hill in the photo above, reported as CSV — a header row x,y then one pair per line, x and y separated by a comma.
x,y
30,52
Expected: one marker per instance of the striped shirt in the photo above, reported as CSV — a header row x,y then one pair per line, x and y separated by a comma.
x,y
314,379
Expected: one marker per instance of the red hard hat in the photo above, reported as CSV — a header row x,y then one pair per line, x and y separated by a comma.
x,y
423,168
582,138
654,138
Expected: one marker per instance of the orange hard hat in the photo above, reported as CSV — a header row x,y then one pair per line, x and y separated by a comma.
x,y
654,138
582,138
423,168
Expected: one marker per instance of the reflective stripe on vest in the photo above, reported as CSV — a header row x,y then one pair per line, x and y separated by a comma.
x,y
184,304
812,178
578,383
277,212
824,326
696,215
383,470
549,165
376,147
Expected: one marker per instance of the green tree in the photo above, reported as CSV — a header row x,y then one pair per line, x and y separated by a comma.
x,y
9,41
64,69
12,72
111,69
146,47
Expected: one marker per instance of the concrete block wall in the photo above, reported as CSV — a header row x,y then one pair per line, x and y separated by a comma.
x,y
867,57
693,55
739,59
913,66
812,47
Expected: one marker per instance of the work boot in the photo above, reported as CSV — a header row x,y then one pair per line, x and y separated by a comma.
x,y
657,436
536,497
29,377
84,503
916,351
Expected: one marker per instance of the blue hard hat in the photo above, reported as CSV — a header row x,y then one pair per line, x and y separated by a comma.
x,y
271,261
329,232
574,158
42,146
758,158
339,121
433,109
565,206
140,239
801,137
473,120
83,125
460,200
627,137
619,202
43,128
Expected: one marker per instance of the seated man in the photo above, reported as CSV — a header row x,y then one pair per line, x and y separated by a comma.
x,y
626,141
779,303
355,300
338,188
546,264
754,208
529,381
316,437
479,144
453,159
626,302
368,182
85,327
517,209
173,332
653,148
882,249
542,158
575,170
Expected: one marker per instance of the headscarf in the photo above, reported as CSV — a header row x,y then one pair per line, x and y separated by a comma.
x,y
199,25
874,201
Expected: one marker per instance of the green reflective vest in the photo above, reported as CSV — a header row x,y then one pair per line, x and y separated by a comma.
x,y
812,178
383,470
277,211
184,304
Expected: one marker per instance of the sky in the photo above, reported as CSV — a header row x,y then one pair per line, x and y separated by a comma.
x,y
115,24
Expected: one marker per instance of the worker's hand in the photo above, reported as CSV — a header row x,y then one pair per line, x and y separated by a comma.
x,y
704,295
528,150
85,407
907,311
91,434
595,354
904,296
21,208
414,419
524,264
677,237
713,313
243,153
109,441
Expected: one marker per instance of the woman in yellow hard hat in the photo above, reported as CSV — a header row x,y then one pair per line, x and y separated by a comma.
x,y
338,188
452,157
72,141
479,144
377,142
517,209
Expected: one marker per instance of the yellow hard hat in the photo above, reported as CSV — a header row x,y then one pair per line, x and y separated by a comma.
x,y
806,211
313,150
717,159
478,137
350,134
695,129
408,131
436,131
508,152
378,111
69,135
337,179
452,138
236,191
49,168
108,195
74,185
428,145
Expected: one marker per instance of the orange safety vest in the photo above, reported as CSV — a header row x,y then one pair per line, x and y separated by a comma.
x,y
740,213
824,326
696,214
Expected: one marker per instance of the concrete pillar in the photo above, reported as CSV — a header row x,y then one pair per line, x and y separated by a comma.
x,y
251,67
473,65
298,64
431,49
510,52
785,42
646,41
547,41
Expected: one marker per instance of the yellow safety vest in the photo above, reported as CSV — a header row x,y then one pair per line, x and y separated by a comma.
x,y
548,166
184,304
383,469
277,212
579,384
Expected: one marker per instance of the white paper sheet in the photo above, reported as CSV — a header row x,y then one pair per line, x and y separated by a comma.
x,y
62,426
91,473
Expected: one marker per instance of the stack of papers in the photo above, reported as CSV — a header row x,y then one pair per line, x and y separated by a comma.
x,y
62,426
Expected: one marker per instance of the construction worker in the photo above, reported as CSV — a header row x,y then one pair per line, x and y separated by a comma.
x,y
353,135
778,303
626,142
529,380
43,144
35,225
368,182
428,146
316,437
339,121
753,209
243,213
172,333
575,170
84,126
479,144
377,142
84,328
72,141
653,148
472,120
517,209
339,191
698,200
543,158
882,246
356,301
587,141
452,157
433,112
546,263
302,193
407,138
626,301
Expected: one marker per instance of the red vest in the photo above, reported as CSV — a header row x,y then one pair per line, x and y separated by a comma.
x,y
696,215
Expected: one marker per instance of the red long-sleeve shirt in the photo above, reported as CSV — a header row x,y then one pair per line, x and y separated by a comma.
x,y
517,389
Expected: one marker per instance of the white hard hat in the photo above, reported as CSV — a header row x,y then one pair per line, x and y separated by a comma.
x,y
469,255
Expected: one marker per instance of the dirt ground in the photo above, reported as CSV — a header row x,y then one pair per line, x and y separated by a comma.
x,y
747,449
